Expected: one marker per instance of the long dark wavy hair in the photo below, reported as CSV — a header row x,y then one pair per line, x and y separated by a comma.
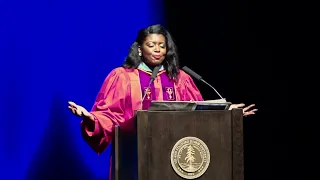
x,y
171,61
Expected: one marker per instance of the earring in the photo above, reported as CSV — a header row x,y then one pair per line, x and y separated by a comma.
x,y
140,54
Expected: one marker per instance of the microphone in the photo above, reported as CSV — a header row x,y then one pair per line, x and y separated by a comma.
x,y
198,77
153,76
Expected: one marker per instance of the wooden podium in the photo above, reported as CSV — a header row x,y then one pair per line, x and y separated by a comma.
x,y
176,145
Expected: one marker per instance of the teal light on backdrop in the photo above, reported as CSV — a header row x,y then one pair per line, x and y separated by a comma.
x,y
52,52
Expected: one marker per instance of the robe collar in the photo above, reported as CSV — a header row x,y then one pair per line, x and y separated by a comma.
x,y
144,67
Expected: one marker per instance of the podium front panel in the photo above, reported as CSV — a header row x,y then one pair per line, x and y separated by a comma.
x,y
175,140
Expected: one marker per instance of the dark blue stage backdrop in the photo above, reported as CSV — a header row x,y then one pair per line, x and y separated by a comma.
x,y
51,52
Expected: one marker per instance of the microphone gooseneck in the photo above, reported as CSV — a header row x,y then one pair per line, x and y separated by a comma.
x,y
199,78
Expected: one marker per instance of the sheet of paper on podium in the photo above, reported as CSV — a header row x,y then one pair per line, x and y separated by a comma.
x,y
218,104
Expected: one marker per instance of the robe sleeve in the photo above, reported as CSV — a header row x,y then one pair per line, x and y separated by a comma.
x,y
108,110
192,92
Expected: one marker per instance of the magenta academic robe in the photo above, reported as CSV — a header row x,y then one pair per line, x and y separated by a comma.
x,y
121,94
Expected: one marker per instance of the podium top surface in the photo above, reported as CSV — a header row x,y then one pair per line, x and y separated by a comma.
x,y
188,105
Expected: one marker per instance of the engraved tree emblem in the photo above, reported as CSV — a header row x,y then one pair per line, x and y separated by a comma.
x,y
190,158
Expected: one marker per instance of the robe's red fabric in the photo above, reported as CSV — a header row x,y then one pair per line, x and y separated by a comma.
x,y
118,98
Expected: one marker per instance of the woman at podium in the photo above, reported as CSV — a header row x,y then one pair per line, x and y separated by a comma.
x,y
125,87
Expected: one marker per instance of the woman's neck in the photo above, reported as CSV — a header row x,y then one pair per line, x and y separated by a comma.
x,y
150,66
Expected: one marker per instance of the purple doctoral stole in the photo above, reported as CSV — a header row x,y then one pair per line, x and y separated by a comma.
x,y
166,85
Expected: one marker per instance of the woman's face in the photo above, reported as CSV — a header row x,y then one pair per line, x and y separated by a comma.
x,y
153,49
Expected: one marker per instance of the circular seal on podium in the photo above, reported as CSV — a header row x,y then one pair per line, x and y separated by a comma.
x,y
190,157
